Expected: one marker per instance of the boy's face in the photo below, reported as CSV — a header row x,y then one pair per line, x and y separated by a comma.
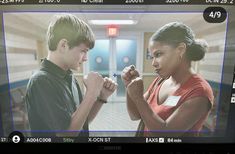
x,y
75,56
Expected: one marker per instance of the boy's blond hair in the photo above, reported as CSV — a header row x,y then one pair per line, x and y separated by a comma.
x,y
69,27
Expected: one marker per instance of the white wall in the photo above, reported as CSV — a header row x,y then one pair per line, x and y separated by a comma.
x,y
20,64
211,66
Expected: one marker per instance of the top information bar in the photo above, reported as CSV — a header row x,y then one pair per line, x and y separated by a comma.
x,y
120,2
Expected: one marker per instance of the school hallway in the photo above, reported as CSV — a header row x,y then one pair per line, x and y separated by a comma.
x,y
113,120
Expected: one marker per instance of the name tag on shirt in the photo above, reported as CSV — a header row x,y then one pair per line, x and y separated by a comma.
x,y
171,101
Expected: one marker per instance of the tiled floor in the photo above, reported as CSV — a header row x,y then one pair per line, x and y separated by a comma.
x,y
113,120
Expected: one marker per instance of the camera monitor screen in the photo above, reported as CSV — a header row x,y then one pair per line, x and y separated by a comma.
x,y
117,72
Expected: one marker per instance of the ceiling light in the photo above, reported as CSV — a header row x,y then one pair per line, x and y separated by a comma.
x,y
112,22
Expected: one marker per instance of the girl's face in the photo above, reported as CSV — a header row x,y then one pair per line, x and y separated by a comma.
x,y
166,58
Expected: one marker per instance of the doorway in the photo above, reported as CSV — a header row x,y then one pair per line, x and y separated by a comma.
x,y
110,56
